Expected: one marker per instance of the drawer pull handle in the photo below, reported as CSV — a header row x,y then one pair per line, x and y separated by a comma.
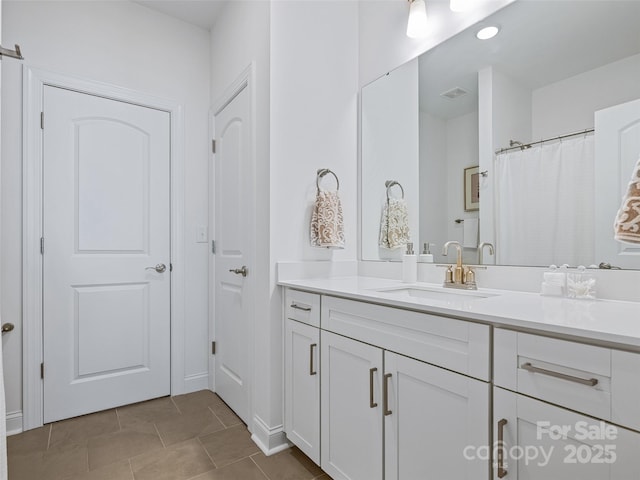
x,y
385,394
502,472
298,307
372,404
591,382
311,370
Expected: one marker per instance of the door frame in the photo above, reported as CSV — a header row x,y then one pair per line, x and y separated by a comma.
x,y
34,81
246,79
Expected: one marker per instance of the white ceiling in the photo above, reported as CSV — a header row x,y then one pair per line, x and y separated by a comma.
x,y
202,13
540,42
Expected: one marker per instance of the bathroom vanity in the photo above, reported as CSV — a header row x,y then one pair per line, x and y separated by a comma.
x,y
408,381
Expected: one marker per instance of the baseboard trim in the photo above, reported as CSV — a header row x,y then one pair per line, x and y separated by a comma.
x,y
14,423
193,383
270,440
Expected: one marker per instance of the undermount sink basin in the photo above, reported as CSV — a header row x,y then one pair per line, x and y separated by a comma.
x,y
435,293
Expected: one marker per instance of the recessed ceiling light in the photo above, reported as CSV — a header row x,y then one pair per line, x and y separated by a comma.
x,y
487,32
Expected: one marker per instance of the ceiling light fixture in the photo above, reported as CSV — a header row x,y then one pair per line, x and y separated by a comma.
x,y
487,32
417,24
459,5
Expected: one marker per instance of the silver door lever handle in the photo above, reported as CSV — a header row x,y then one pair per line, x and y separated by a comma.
x,y
240,271
160,268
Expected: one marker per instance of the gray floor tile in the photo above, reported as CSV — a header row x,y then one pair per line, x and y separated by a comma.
x,y
188,425
179,462
230,445
242,470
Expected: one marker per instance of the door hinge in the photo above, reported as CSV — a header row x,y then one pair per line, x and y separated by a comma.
x,y
171,267
213,146
213,246
41,245
213,348
42,120
42,370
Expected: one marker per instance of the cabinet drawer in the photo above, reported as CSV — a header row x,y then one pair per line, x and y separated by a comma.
x,y
446,342
571,374
303,307
599,381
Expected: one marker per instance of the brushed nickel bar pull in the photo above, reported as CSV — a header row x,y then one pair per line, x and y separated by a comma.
x,y
12,53
591,382
385,394
298,307
311,370
502,472
372,404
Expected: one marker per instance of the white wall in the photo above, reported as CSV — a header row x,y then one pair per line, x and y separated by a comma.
x,y
390,139
314,92
433,189
128,45
241,37
462,152
568,105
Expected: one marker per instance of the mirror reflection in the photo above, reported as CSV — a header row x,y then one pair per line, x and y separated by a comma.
x,y
523,143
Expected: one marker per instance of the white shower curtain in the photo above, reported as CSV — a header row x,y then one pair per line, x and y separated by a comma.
x,y
544,204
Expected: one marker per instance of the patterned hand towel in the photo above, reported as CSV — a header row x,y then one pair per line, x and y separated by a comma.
x,y
327,228
627,224
394,226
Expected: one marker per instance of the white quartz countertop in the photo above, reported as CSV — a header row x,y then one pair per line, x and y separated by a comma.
x,y
600,321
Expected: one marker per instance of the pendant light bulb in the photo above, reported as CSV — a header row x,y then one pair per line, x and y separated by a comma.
x,y
459,5
417,25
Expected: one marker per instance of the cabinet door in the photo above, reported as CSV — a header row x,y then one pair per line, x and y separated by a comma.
x,y
302,387
432,415
351,425
545,442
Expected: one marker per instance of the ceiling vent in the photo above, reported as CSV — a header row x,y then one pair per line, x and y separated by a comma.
x,y
454,93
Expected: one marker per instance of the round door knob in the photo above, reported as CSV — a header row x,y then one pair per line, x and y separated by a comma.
x,y
160,268
7,327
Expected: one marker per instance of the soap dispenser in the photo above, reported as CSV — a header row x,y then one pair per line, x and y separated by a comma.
x,y
426,256
409,265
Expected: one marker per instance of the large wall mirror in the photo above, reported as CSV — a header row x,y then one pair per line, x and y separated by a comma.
x,y
470,132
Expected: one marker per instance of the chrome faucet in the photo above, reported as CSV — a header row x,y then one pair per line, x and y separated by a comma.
x,y
461,276
481,248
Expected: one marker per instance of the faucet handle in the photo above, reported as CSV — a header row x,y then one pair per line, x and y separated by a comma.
x,y
448,275
469,276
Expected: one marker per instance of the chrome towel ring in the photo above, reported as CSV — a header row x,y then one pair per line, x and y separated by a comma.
x,y
321,173
391,183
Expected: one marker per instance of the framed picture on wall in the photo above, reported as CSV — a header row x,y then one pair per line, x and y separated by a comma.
x,y
471,189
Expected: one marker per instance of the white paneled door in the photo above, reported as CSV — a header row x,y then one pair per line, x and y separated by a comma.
x,y
617,149
106,279
233,261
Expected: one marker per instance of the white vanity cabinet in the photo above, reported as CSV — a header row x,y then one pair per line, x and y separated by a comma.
x,y
351,422
543,439
302,372
546,442
431,416
382,409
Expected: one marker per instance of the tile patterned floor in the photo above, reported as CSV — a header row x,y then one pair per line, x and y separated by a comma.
x,y
188,437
